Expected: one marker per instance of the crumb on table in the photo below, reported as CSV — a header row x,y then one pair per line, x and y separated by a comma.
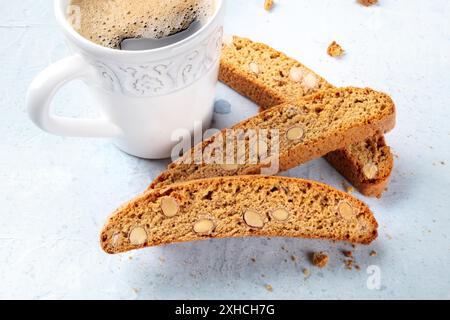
x,y
348,254
268,4
335,50
306,272
367,3
320,259
349,264
268,287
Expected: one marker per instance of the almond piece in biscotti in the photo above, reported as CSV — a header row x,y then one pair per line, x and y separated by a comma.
x,y
253,219
295,133
138,236
169,207
254,67
296,74
370,171
345,209
204,226
280,214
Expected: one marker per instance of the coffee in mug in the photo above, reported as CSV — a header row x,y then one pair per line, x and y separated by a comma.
x,y
109,22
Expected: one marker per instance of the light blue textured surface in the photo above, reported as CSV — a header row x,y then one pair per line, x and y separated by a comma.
x,y
55,193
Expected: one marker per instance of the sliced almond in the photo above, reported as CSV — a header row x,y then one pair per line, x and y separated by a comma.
x,y
253,219
115,239
254,67
296,74
280,214
345,209
138,236
204,226
310,82
228,40
295,133
169,207
370,170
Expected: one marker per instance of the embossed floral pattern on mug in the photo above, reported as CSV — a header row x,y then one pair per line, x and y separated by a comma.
x,y
161,77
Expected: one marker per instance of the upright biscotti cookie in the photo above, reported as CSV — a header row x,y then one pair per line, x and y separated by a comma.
x,y
310,128
269,77
238,207
371,178
264,75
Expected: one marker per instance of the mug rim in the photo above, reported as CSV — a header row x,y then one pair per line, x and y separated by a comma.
x,y
60,12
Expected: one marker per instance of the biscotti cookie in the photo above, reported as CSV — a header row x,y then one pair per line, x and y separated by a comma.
x,y
264,75
269,77
371,179
241,206
310,128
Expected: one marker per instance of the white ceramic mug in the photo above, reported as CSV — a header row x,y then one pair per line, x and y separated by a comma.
x,y
144,96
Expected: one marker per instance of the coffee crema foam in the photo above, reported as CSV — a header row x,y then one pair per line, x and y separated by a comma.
x,y
108,22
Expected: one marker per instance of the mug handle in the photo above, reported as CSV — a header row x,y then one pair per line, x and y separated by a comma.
x,y
41,93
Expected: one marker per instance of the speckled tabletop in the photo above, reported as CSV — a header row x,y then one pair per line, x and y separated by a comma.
x,y
55,193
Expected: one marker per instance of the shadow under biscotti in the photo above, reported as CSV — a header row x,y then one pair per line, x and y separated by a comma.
x,y
215,268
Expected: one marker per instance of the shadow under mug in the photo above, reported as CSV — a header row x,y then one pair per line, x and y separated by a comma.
x,y
144,96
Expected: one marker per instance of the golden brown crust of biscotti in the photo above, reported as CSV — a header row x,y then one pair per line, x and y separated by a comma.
x,y
373,179
275,84
243,206
331,119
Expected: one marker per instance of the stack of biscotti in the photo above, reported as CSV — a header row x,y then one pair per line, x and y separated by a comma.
x,y
238,207
214,191
269,77
195,200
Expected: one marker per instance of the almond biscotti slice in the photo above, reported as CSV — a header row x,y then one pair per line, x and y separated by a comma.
x,y
299,132
269,77
264,75
241,206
